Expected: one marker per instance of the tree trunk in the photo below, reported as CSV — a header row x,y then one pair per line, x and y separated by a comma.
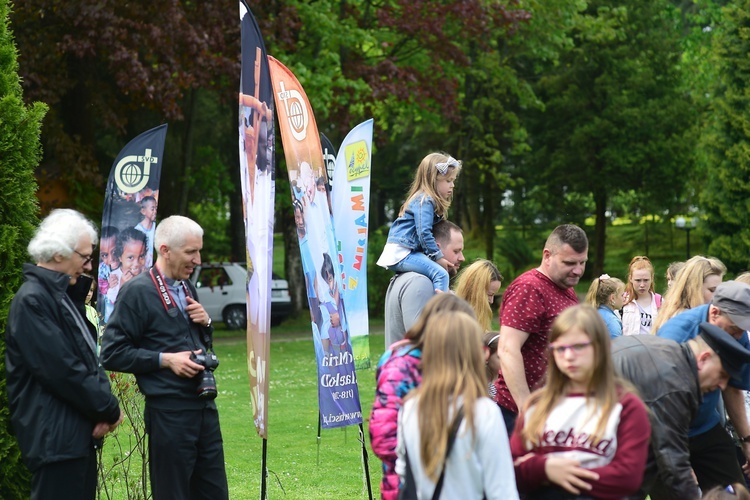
x,y
187,153
293,263
600,232
488,219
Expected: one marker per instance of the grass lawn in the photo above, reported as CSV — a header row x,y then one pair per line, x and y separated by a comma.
x,y
298,467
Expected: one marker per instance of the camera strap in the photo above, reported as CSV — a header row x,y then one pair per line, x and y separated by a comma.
x,y
164,294
170,304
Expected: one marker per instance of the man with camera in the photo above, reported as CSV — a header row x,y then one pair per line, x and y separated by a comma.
x,y
161,333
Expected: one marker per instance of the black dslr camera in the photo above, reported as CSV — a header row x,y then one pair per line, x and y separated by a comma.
x,y
207,385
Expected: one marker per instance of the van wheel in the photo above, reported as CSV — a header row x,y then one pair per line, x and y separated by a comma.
x,y
235,317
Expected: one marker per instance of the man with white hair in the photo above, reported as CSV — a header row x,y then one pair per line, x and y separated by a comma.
x,y
60,400
161,333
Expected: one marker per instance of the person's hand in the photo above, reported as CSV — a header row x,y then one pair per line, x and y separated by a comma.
x,y
522,459
445,264
335,321
114,280
100,429
746,452
196,312
128,275
180,363
119,421
565,472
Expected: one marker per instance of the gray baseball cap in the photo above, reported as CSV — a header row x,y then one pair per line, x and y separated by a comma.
x,y
733,298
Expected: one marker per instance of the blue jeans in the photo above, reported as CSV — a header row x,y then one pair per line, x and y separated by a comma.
x,y
420,263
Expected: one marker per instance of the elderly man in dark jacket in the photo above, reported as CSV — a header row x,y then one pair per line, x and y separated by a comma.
x,y
60,400
671,379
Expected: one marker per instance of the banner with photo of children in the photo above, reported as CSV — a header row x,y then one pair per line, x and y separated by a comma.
x,y
126,244
338,395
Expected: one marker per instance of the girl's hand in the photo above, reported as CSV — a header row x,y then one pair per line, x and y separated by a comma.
x,y
445,264
566,473
113,280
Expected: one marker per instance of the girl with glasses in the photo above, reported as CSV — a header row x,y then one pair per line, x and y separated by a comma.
x,y
586,433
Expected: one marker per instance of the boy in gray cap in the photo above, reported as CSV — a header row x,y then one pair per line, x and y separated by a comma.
x,y
670,378
712,451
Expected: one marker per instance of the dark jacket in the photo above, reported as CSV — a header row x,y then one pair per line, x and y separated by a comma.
x,y
139,329
57,391
666,376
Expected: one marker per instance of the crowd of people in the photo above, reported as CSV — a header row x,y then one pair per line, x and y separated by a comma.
x,y
627,395
630,394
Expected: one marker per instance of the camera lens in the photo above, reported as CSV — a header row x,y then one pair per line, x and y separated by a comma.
x,y
207,386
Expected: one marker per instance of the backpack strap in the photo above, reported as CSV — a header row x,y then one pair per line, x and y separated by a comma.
x,y
448,448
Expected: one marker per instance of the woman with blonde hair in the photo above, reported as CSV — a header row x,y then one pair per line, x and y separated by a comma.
x,y
451,439
604,425
477,285
641,302
694,286
672,271
606,294
397,373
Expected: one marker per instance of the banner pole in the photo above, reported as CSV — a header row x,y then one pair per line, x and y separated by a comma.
x,y
264,472
319,427
365,460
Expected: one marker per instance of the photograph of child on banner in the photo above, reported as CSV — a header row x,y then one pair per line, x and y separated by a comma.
x,y
127,243
130,254
334,334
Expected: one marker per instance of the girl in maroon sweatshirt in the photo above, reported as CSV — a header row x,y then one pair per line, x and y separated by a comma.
x,y
585,434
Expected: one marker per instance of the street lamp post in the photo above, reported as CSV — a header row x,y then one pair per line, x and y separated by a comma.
x,y
686,225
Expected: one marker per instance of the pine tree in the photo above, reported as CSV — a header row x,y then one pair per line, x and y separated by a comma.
x,y
726,197
20,152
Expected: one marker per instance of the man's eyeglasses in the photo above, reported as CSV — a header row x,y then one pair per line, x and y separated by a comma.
x,y
576,348
86,258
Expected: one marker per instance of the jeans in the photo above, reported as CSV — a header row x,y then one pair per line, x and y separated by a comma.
x,y
420,263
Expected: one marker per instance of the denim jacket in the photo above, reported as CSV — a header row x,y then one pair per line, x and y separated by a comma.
x,y
413,230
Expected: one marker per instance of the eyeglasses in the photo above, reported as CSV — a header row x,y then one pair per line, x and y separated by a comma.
x,y
576,348
86,258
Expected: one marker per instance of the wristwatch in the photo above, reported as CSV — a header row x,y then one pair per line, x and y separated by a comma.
x,y
209,324
746,439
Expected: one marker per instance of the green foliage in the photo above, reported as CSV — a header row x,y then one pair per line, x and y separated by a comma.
x,y
516,251
19,154
211,209
615,119
726,198
123,468
298,468
377,277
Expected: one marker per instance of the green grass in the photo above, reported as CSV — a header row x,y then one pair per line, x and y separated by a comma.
x,y
298,467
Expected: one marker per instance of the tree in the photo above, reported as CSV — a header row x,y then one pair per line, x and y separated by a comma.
x,y
727,142
109,70
615,118
20,152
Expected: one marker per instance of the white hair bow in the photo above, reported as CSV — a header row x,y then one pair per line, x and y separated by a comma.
x,y
450,162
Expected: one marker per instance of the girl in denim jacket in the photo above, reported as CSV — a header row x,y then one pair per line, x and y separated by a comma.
x,y
411,245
